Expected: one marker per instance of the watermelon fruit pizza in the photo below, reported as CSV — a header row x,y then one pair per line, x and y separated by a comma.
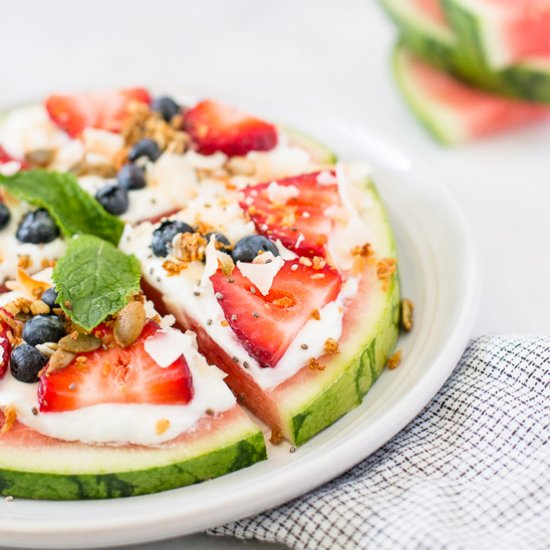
x,y
183,286
489,49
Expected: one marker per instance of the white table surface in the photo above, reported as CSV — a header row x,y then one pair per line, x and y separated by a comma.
x,y
332,54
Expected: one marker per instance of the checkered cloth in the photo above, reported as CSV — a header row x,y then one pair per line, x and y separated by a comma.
x,y
472,471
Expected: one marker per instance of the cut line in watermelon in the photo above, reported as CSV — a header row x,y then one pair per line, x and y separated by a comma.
x,y
453,111
313,399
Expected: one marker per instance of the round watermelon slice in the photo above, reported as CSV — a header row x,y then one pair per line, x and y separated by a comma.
x,y
453,111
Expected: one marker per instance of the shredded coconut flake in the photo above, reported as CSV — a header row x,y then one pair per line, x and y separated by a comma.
x,y
284,252
262,272
281,193
326,178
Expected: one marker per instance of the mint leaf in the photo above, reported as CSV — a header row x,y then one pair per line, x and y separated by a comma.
x,y
74,211
94,279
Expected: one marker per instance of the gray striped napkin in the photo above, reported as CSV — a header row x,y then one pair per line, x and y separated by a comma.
x,y
471,471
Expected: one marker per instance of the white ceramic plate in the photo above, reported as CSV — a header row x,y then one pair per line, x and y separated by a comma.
x,y
439,274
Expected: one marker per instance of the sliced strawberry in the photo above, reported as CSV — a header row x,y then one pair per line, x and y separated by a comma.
x,y
301,223
215,127
5,348
105,110
266,325
116,375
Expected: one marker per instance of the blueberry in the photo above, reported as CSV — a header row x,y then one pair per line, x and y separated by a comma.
x,y
113,198
248,247
166,107
43,328
5,215
131,177
37,227
49,297
144,148
164,234
26,362
220,238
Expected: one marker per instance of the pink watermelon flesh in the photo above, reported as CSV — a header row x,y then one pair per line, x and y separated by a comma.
x,y
433,9
525,26
481,113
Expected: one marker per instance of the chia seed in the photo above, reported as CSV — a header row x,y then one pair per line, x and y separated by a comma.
x,y
304,346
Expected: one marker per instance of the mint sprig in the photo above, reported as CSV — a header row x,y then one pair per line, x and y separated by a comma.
x,y
74,211
94,279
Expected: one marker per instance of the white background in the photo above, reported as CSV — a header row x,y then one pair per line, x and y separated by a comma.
x,y
333,55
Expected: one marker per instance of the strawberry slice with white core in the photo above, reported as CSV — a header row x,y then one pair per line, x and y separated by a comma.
x,y
117,375
296,216
267,325
106,110
5,348
215,127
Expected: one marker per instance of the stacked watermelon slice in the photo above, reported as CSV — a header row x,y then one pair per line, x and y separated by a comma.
x,y
471,68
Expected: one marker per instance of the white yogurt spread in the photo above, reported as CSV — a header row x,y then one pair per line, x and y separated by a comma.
x,y
192,293
11,250
126,423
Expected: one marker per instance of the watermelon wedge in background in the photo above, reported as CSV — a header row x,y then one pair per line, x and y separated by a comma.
x,y
506,31
459,37
469,68
453,111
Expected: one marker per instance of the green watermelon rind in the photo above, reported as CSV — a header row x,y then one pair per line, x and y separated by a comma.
x,y
434,121
356,379
462,53
350,376
52,478
319,152
528,80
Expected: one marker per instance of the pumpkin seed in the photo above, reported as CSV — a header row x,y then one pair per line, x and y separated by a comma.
x,y
129,324
81,344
